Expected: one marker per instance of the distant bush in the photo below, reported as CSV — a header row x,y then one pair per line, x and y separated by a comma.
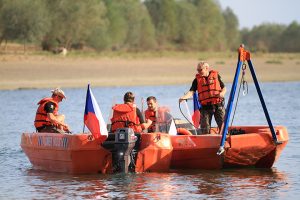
x,y
273,62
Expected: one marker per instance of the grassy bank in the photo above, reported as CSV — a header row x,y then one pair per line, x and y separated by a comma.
x,y
36,69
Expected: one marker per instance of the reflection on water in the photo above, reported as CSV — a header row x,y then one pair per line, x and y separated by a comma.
x,y
234,183
19,181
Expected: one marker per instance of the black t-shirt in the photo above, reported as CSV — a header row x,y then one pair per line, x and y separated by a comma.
x,y
140,116
195,84
49,107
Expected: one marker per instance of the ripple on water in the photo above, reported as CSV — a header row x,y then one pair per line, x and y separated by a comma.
x,y
280,182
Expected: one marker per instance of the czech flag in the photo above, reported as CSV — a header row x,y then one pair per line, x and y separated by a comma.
x,y
92,116
196,114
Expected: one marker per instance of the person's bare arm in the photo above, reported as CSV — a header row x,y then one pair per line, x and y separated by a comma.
x,y
146,124
54,120
188,95
223,92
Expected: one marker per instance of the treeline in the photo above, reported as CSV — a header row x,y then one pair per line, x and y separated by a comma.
x,y
273,37
136,25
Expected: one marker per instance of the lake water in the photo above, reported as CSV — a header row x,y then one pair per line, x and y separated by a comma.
x,y
19,181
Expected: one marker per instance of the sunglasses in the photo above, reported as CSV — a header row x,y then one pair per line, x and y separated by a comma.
x,y
60,97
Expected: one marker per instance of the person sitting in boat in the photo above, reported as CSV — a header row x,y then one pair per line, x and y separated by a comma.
x,y
211,92
160,116
47,118
128,115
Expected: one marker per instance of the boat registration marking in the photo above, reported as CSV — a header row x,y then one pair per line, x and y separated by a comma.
x,y
49,141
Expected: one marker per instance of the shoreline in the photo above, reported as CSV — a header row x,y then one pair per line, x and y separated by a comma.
x,y
36,72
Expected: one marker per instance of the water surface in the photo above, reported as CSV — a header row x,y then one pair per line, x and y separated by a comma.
x,y
19,181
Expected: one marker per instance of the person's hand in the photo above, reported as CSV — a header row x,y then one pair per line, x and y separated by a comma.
x,y
148,121
181,99
222,94
66,127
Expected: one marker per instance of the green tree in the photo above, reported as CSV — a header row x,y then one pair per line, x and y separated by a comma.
x,y
73,21
140,29
18,22
211,25
188,31
265,37
290,38
245,37
117,24
163,15
130,26
147,38
231,29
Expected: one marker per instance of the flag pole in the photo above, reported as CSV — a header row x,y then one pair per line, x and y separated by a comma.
x,y
143,113
85,106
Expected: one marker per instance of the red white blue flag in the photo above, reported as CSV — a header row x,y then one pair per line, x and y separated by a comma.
x,y
196,114
93,118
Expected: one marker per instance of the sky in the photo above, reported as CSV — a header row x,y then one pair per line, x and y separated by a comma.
x,y
256,12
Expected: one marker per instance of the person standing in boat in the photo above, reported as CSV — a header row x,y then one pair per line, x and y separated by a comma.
x,y
211,92
47,118
128,115
160,116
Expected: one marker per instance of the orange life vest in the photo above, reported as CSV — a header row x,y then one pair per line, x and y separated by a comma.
x,y
209,88
150,114
124,115
41,118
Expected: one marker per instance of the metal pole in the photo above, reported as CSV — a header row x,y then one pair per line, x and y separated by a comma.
x,y
229,107
85,107
261,98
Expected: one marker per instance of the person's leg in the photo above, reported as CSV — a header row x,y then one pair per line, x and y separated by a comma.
x,y
205,120
219,115
50,129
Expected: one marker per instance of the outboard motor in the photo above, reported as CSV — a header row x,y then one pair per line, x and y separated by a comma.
x,y
121,147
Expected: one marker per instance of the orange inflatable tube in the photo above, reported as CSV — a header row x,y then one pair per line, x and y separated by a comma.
x,y
183,131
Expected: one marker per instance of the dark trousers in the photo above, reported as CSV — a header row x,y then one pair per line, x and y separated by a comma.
x,y
49,129
207,112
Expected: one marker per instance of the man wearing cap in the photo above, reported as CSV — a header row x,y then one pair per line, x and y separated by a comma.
x,y
211,92
47,118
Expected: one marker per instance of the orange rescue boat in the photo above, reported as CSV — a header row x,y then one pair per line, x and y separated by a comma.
x,y
81,154
159,152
